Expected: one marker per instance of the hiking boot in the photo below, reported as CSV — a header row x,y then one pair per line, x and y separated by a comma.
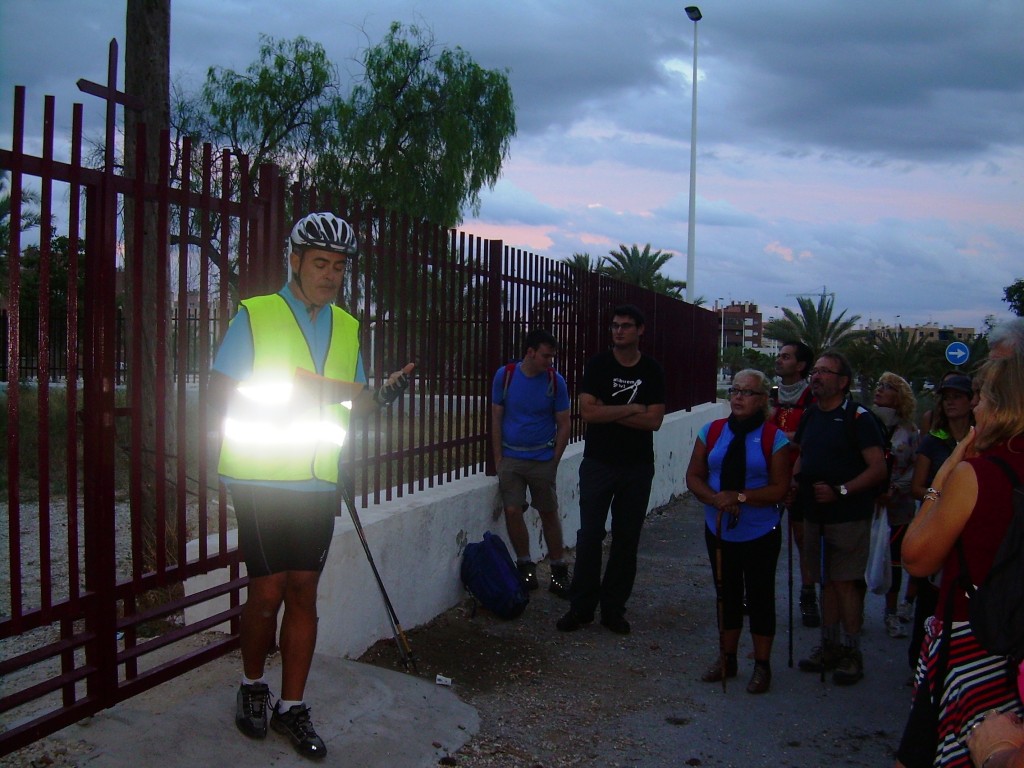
x,y
714,671
251,709
809,607
894,626
528,573
560,580
616,624
572,621
906,612
760,680
296,725
850,667
822,658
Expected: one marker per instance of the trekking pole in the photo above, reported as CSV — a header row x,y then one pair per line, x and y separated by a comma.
x,y
401,641
789,526
718,596
821,598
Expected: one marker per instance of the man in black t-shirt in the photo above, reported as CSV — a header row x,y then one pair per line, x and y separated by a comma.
x,y
622,402
840,467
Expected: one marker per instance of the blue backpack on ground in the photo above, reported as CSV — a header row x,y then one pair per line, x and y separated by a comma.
x,y
492,578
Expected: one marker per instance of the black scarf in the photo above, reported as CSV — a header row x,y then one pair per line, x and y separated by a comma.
x,y
734,465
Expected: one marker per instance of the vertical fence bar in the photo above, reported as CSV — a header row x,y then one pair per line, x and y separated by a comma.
x,y
13,358
43,371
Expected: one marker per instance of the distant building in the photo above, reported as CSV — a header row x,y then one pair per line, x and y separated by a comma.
x,y
928,331
740,325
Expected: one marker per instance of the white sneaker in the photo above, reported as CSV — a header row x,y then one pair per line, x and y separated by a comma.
x,y
894,626
906,612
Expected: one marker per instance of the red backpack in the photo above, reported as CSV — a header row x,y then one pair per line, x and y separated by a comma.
x,y
767,438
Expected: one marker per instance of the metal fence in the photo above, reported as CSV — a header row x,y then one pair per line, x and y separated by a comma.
x,y
108,472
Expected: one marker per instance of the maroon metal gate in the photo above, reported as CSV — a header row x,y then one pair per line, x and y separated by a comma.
x,y
108,466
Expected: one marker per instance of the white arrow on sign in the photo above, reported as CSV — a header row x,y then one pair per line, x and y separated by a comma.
x,y
957,353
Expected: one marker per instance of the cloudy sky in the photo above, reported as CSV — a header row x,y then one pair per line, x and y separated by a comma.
x,y
873,150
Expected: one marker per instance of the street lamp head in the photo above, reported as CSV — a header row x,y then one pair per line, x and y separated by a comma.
x,y
693,12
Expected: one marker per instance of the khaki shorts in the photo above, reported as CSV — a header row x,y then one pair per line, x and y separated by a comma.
x,y
516,475
846,550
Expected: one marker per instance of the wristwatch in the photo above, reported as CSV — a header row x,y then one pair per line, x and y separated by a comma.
x,y
841,490
741,497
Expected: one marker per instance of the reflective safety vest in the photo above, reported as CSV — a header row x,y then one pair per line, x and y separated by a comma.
x,y
270,433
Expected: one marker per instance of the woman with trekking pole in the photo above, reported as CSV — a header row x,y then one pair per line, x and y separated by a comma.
x,y
740,469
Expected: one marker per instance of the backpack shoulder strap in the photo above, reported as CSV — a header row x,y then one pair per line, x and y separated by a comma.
x,y
714,432
509,370
1007,470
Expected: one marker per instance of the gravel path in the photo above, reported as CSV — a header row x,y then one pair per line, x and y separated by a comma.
x,y
592,698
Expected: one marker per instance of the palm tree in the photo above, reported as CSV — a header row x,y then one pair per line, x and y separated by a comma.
x,y
888,350
815,326
643,268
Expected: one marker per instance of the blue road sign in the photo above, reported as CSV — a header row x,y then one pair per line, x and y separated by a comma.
x,y
957,353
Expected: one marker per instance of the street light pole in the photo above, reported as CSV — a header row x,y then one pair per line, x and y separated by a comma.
x,y
693,12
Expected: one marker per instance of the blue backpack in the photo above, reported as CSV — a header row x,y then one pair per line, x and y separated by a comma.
x,y
492,578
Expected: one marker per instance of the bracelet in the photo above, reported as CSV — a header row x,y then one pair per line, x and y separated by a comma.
x,y
930,497
994,752
935,491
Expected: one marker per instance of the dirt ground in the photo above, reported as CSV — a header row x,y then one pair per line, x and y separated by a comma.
x,y
549,699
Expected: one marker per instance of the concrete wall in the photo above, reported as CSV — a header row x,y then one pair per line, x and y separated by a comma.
x,y
417,543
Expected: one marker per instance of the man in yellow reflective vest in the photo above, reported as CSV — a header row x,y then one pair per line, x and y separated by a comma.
x,y
277,381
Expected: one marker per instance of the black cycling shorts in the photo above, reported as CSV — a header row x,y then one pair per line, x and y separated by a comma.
x,y
282,530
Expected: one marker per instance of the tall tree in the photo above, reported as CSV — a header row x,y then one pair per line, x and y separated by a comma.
x,y
280,110
423,132
1014,296
643,268
147,77
815,326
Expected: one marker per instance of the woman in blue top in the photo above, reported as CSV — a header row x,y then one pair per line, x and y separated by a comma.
x,y
740,469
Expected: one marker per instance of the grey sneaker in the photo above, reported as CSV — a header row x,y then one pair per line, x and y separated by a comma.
x,y
894,626
560,580
251,709
850,668
296,725
528,573
822,658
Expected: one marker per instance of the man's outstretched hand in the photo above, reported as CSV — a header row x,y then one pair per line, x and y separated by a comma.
x,y
395,385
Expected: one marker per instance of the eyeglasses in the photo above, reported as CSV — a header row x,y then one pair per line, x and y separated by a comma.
x,y
621,326
824,372
733,391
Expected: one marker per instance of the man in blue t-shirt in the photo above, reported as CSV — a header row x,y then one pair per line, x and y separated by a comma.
x,y
529,432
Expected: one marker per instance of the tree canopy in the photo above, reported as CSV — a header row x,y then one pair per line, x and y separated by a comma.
x,y
422,130
815,326
1014,296
643,268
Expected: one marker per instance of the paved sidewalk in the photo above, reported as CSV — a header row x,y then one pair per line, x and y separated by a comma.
x,y
367,716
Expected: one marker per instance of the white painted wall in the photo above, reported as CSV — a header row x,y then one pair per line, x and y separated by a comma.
x,y
417,543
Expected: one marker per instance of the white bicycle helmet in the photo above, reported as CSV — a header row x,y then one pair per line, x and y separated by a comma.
x,y
325,231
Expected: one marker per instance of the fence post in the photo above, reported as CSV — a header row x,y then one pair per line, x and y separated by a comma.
x,y
495,249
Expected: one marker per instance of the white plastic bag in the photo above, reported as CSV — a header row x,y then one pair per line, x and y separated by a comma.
x,y
878,573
